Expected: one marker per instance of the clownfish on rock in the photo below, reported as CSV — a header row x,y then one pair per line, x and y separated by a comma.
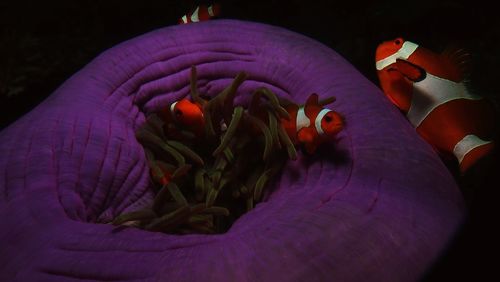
x,y
431,89
312,124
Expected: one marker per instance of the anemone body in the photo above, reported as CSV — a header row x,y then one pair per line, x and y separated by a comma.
x,y
380,204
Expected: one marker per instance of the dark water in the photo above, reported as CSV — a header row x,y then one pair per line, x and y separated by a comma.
x,y
42,43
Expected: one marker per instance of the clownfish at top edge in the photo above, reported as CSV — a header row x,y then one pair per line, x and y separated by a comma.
x,y
201,13
312,124
186,114
430,88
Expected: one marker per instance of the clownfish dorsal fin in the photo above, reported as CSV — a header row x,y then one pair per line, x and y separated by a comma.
x,y
457,60
327,101
312,105
312,100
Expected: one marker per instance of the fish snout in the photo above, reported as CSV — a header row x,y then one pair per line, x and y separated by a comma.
x,y
188,113
388,48
192,118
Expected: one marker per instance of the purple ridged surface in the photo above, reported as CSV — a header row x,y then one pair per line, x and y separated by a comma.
x,y
378,205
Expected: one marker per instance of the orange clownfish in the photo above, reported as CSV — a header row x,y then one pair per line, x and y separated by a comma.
x,y
186,114
430,89
312,124
201,13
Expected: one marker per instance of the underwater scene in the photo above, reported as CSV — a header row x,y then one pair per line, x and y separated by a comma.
x,y
248,140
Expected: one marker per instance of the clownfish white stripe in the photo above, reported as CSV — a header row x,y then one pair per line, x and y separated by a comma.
x,y
302,120
467,144
433,92
403,53
194,16
210,10
318,120
172,107
184,19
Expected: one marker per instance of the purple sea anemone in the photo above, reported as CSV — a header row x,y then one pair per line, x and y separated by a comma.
x,y
380,206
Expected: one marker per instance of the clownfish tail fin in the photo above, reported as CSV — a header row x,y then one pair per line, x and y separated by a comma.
x,y
461,58
471,88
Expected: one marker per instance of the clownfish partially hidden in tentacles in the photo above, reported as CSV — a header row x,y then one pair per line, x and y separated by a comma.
x,y
430,89
186,114
201,13
311,124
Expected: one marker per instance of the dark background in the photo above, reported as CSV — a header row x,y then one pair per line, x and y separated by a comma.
x,y
42,43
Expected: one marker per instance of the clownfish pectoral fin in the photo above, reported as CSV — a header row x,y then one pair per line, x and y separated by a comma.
x,y
409,70
306,135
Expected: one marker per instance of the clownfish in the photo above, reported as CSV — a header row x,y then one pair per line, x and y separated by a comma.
x,y
201,13
431,89
311,124
185,114
161,174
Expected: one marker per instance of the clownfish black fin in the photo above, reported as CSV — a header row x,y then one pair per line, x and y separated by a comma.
x,y
306,135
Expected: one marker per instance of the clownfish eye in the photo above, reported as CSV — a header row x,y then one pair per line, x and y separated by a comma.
x,y
328,119
397,41
178,113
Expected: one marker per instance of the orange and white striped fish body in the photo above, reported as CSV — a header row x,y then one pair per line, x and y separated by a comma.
x,y
430,89
201,13
311,124
186,115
